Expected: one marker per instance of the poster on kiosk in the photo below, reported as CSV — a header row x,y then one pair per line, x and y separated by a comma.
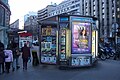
x,y
81,42
81,38
48,44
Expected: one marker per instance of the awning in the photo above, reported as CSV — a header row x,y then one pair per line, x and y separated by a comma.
x,y
25,34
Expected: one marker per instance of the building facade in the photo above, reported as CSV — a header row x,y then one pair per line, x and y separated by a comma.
x,y
30,24
107,12
29,14
4,21
118,12
13,31
43,14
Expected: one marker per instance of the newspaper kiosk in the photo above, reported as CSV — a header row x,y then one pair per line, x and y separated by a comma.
x,y
69,40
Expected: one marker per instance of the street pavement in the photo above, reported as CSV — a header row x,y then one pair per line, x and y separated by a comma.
x,y
104,70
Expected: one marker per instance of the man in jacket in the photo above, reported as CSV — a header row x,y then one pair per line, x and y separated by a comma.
x,y
25,56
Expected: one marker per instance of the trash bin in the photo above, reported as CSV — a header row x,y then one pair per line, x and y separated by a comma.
x,y
35,60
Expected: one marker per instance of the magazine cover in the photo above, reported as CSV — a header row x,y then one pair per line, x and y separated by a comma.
x,y
42,59
53,31
42,44
53,59
48,31
44,39
53,46
48,46
63,31
75,62
49,39
44,31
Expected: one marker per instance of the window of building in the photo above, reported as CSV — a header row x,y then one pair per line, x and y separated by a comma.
x,y
56,12
118,2
64,9
113,1
118,16
113,15
94,7
77,0
94,3
86,3
102,3
77,5
72,7
103,11
102,7
103,16
53,13
59,12
2,16
118,9
72,2
103,32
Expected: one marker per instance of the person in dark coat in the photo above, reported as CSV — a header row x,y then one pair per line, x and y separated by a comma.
x,y
1,46
2,57
2,60
15,63
25,56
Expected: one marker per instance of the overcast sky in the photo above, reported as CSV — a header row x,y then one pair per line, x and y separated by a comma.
x,y
21,7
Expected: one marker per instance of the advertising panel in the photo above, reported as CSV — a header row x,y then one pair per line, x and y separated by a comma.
x,y
81,37
80,61
93,44
48,45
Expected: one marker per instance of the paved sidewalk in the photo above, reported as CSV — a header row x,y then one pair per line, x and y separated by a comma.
x,y
105,70
32,73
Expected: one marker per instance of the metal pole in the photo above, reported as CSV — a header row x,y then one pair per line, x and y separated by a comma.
x,y
115,36
39,40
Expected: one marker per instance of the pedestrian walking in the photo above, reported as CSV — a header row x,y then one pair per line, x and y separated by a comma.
x,y
2,58
35,60
25,56
9,59
15,50
1,46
